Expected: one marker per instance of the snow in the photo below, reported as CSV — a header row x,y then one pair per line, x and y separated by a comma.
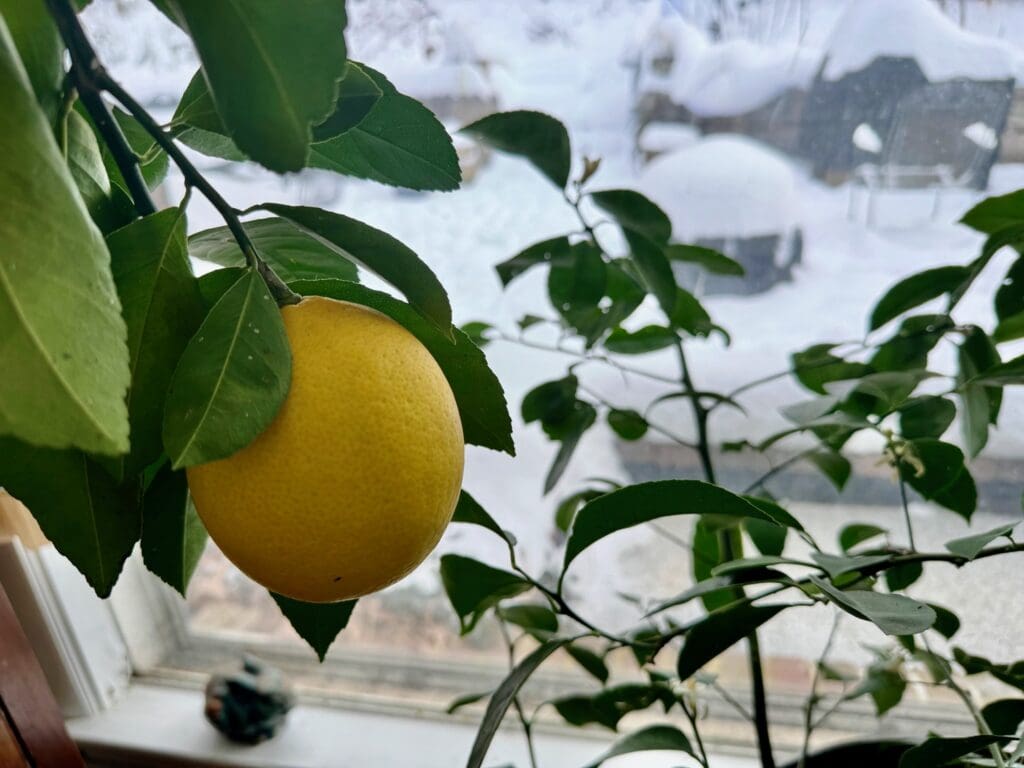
x,y
983,135
657,138
866,138
914,29
724,186
425,80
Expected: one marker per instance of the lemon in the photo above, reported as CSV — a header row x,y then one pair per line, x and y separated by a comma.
x,y
355,480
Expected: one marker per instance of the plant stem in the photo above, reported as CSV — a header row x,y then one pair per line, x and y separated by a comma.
x,y
523,720
692,717
812,698
906,508
92,80
85,67
725,542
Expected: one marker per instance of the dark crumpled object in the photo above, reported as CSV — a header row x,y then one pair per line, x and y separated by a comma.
x,y
248,706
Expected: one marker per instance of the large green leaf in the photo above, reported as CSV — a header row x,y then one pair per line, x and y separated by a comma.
x,y
90,518
926,416
816,366
478,393
666,738
893,614
358,94
996,213
291,252
942,476
63,336
469,511
378,252
718,631
938,751
706,258
641,503
635,211
173,536
399,142
162,309
650,338
316,623
474,587
40,48
85,162
857,754
197,123
272,69
153,160
503,696
916,290
231,379
1004,715
653,266
610,705
539,138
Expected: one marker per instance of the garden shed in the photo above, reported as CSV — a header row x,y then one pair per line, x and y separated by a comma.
x,y
735,195
902,86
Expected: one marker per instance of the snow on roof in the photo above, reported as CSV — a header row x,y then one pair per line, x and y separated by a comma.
x,y
665,137
723,186
429,80
720,79
737,76
915,29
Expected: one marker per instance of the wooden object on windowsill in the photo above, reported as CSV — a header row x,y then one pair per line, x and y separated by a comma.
x,y
16,520
32,731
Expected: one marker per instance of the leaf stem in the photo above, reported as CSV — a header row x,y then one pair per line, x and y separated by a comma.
x,y
516,703
92,80
85,67
692,717
813,698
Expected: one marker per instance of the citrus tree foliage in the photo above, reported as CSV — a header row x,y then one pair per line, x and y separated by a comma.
x,y
122,369
752,558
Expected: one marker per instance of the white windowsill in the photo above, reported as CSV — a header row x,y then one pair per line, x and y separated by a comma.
x,y
157,725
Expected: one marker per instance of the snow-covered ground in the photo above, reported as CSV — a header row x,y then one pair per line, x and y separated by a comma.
x,y
568,58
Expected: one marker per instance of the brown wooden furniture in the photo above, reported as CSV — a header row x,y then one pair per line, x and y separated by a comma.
x,y
32,729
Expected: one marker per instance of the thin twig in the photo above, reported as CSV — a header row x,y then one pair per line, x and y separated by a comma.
x,y
906,507
523,720
813,698
702,755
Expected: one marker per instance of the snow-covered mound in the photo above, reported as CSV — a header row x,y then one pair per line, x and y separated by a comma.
x,y
434,80
724,186
720,79
914,29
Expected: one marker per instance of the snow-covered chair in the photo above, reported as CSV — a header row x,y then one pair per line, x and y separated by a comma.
x,y
933,144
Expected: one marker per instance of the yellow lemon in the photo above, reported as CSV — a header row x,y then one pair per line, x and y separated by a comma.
x,y
355,480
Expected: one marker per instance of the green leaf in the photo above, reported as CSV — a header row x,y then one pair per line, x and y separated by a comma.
x,y
570,505
651,738
576,287
837,565
943,751
893,614
272,69
926,416
857,754
316,623
569,433
902,576
85,162
833,465
1009,301
706,258
816,366
1004,715
690,315
975,408
947,623
162,308
231,379
609,706
473,588
378,252
858,533
760,563
945,479
1009,329
996,213
555,250
539,138
1012,674
628,424
399,143
292,253
551,402
62,330
503,696
173,536
589,660
1010,372
717,632
908,348
769,538
885,685
469,511
91,519
153,161
535,619
635,211
652,264
476,331
650,338
970,546
916,290
40,49
478,393
465,700
197,123
643,502
358,94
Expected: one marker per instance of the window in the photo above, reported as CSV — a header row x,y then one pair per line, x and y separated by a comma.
x,y
828,147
